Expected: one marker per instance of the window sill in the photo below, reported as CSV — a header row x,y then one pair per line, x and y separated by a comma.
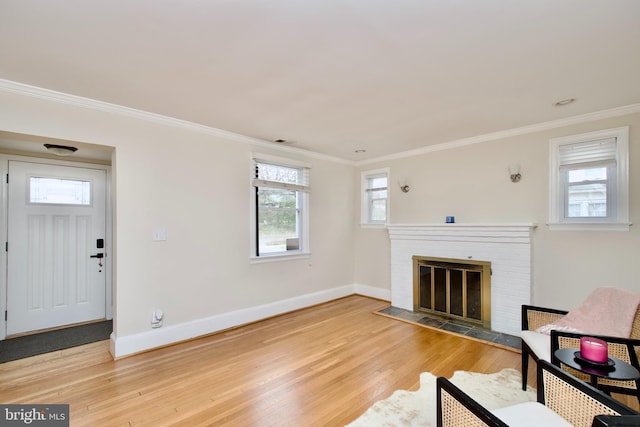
x,y
589,226
279,257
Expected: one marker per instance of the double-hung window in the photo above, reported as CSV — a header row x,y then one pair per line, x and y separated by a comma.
x,y
281,192
589,181
375,196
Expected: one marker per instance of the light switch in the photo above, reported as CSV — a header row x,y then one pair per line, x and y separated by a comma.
x,y
159,234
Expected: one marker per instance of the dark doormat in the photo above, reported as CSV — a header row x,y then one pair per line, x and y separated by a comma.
x,y
32,345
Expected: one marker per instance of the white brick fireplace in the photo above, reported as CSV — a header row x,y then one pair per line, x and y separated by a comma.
x,y
506,246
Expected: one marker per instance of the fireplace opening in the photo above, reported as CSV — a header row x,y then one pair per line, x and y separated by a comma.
x,y
453,288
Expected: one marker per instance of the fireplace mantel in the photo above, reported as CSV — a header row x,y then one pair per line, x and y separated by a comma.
x,y
506,245
472,232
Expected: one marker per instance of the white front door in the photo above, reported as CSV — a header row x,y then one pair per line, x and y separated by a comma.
x,y
56,247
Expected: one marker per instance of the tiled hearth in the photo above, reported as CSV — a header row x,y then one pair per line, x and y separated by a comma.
x,y
454,326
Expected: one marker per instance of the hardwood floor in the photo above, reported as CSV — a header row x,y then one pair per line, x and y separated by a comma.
x,y
321,366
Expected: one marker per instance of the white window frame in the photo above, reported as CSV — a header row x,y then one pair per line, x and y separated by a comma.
x,y
364,199
618,185
303,250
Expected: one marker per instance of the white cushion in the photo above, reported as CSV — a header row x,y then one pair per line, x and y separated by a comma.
x,y
539,343
531,414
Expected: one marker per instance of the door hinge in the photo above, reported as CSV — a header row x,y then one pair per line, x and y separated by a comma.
x,y
6,315
7,178
6,246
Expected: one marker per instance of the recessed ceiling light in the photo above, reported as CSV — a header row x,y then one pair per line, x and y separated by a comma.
x,y
564,102
360,151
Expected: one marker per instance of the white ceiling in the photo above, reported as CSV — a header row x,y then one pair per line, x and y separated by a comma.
x,y
333,76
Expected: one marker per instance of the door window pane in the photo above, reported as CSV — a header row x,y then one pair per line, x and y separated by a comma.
x,y
59,191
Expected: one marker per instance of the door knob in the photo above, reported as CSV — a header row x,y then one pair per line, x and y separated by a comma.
x,y
99,256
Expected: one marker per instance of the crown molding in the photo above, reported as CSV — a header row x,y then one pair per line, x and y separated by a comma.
x,y
583,118
92,104
79,101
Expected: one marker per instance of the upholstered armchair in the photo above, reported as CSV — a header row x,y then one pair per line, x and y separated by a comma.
x,y
562,400
540,346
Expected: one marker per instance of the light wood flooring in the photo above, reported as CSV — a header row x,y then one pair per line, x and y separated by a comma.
x,y
321,366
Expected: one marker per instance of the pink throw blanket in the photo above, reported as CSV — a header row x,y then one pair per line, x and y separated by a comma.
x,y
606,311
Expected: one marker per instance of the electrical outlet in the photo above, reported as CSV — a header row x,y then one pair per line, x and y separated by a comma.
x,y
156,318
159,234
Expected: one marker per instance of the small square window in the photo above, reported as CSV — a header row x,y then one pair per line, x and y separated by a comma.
x,y
375,196
588,187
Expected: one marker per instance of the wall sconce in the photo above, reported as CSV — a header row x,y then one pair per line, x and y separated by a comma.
x,y
60,150
514,172
404,187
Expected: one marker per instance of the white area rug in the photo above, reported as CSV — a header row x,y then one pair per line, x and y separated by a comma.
x,y
418,408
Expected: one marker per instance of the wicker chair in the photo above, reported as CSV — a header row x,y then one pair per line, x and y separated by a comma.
x,y
616,421
542,347
563,400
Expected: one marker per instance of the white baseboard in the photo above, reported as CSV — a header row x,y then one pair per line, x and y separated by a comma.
x,y
373,292
136,343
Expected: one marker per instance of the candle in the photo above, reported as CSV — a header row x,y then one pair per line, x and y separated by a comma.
x,y
594,349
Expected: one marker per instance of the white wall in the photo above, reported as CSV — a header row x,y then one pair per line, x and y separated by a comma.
x,y
472,183
196,185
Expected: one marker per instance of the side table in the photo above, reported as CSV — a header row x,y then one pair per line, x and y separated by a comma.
x,y
621,371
